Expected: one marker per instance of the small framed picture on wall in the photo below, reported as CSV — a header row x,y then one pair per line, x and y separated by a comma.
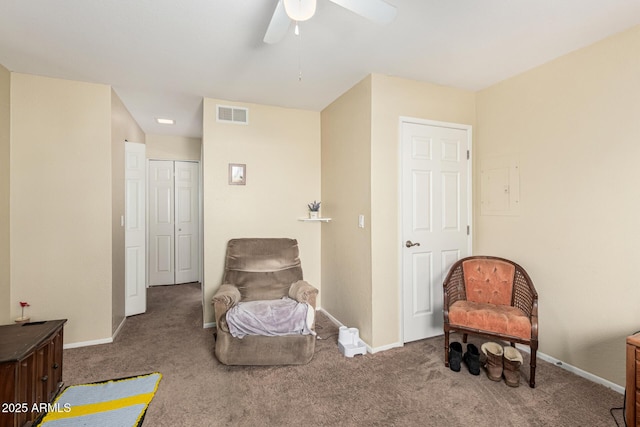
x,y
237,174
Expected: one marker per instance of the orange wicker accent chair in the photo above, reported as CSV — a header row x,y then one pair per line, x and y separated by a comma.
x,y
491,297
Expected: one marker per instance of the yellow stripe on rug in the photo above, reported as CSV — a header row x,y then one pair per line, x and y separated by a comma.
x,y
92,408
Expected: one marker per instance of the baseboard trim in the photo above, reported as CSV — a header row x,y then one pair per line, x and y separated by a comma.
x,y
339,323
208,325
559,363
118,329
96,342
574,370
333,319
87,343
387,347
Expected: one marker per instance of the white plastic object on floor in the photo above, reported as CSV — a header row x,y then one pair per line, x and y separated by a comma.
x,y
349,342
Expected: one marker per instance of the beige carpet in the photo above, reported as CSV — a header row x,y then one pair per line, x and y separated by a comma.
x,y
407,386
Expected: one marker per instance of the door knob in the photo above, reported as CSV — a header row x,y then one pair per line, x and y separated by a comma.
x,y
409,243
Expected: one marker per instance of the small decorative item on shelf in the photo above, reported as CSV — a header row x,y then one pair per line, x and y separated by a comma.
x,y
314,209
22,318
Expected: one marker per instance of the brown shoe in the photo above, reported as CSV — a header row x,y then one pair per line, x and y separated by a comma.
x,y
494,354
512,362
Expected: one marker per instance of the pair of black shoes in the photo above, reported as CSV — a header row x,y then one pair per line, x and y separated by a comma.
x,y
471,358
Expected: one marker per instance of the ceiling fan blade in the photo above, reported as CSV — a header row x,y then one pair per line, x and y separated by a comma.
x,y
278,26
378,11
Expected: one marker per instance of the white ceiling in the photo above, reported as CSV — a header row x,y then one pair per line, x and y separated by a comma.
x,y
163,56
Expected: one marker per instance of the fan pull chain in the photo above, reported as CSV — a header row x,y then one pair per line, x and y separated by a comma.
x,y
296,31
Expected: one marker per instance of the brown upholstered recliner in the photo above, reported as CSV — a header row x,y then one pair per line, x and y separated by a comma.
x,y
258,269
491,297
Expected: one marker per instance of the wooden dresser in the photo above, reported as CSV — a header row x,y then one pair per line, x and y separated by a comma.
x,y
632,402
30,370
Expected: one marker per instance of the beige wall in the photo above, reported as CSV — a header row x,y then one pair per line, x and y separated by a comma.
x,y
61,203
574,125
123,127
281,148
360,175
346,193
168,147
5,276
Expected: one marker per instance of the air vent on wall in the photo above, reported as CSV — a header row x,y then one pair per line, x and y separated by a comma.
x,y
239,115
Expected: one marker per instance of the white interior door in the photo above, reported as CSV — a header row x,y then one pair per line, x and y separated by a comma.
x,y
161,223
435,218
135,231
173,222
187,222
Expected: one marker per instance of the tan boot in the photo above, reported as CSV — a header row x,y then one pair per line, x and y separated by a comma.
x,y
494,354
512,362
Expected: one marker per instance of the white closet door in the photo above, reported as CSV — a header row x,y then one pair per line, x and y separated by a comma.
x,y
161,223
186,229
173,222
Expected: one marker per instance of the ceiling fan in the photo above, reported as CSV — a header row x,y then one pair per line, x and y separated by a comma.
x,y
378,11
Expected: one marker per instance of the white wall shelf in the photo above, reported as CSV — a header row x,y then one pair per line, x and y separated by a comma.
x,y
314,219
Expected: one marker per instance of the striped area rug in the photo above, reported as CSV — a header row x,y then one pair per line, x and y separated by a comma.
x,y
114,403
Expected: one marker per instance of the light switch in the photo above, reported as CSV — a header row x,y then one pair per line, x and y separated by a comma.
x,y
361,221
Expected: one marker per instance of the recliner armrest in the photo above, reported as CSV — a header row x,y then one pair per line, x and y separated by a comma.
x,y
302,291
225,297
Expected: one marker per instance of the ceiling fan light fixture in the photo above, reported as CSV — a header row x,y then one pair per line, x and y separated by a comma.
x,y
300,10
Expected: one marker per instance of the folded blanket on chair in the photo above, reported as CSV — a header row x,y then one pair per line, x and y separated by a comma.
x,y
270,317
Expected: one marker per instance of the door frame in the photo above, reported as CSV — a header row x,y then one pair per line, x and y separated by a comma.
x,y
469,129
200,219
